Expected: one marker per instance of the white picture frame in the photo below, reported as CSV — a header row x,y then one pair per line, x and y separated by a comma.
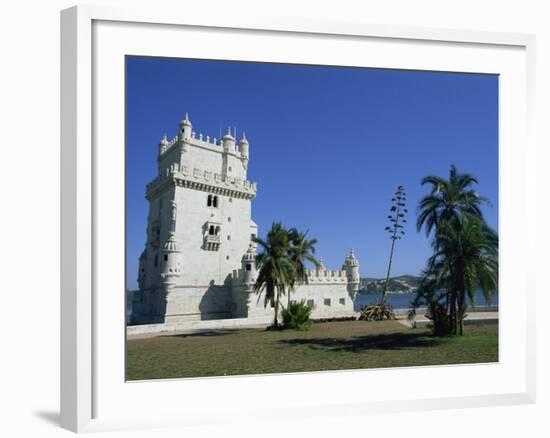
x,y
87,315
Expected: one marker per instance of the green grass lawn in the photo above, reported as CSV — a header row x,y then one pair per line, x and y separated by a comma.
x,y
326,346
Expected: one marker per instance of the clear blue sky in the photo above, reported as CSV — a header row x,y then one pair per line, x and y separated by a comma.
x,y
328,145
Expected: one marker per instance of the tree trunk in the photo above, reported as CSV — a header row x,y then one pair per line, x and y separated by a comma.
x,y
460,299
276,320
461,312
453,313
385,292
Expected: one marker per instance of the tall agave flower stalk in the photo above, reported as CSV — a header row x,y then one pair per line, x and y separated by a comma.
x,y
395,229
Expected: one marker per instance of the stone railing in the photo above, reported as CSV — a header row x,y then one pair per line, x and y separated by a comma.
x,y
203,180
212,242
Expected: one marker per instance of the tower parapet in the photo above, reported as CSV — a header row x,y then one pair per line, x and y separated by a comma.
x,y
203,163
325,276
186,136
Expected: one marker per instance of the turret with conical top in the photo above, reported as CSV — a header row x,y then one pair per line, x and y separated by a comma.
x,y
351,266
186,128
163,145
243,147
171,263
228,141
249,265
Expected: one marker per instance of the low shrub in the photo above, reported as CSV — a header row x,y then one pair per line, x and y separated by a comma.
x,y
297,316
376,312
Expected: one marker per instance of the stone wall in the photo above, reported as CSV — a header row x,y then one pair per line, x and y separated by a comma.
x,y
184,303
328,300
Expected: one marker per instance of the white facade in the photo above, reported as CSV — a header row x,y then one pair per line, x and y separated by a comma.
x,y
198,260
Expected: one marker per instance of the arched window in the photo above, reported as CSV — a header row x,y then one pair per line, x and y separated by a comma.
x,y
209,201
217,230
211,230
215,202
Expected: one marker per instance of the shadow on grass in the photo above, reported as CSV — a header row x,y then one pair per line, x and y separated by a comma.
x,y
392,341
205,333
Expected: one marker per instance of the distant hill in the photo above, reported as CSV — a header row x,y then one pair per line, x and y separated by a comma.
x,y
401,284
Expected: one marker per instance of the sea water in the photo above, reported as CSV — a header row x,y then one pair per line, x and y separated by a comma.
x,y
403,300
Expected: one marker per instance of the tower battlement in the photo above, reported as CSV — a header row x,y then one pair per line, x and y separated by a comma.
x,y
203,163
212,143
321,275
314,276
187,137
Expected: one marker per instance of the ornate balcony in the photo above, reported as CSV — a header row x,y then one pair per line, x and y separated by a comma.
x,y
212,242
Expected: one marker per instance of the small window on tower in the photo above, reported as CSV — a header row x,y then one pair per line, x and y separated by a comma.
x,y
165,257
209,201
211,230
230,168
215,202
156,260
248,267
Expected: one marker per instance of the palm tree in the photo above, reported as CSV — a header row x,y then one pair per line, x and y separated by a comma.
x,y
302,250
465,259
275,268
465,248
448,199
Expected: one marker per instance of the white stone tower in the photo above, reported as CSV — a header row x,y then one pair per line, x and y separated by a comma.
x,y
199,257
199,227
